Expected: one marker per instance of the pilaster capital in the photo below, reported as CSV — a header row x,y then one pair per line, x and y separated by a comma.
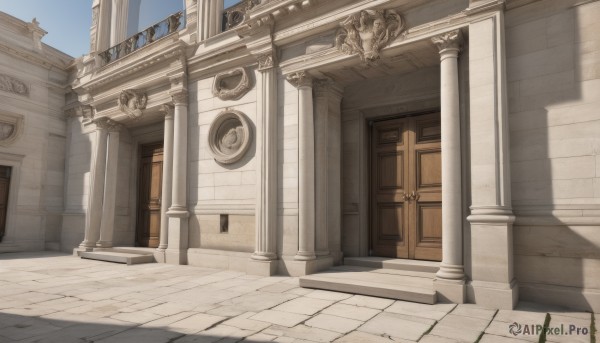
x,y
102,123
448,42
300,79
266,61
327,88
167,110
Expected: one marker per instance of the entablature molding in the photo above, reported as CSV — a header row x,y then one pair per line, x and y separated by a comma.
x,y
135,63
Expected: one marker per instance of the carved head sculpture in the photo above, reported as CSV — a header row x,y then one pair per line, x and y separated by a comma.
x,y
132,102
367,32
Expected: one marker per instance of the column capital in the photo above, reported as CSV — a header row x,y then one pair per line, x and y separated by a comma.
x,y
180,97
450,41
167,110
300,79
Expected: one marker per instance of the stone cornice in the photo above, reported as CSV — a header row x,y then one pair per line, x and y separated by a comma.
x,y
136,62
34,58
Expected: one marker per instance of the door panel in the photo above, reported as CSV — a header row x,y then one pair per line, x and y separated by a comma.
x,y
390,215
149,196
4,187
406,188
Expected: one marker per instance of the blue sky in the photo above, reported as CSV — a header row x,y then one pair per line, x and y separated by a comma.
x,y
68,21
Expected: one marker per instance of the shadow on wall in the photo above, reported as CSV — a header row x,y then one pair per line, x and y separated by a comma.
x,y
553,128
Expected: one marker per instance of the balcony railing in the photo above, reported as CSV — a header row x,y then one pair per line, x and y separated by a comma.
x,y
139,40
236,14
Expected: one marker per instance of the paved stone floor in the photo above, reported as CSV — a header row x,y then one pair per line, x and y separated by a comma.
x,y
51,297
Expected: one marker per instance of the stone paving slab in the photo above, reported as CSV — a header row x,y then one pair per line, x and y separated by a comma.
x,y
52,297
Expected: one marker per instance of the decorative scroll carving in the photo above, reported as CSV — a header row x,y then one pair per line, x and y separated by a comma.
x,y
10,84
300,79
11,128
448,40
231,85
229,136
367,32
132,102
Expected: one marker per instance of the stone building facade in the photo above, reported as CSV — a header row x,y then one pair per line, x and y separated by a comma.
x,y
33,82
287,136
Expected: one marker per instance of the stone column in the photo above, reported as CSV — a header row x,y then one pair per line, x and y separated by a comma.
x,y
321,171
306,166
103,25
451,267
178,214
493,283
167,176
118,28
98,167
210,14
107,226
265,253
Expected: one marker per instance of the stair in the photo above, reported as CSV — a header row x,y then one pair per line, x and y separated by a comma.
x,y
127,256
407,280
393,263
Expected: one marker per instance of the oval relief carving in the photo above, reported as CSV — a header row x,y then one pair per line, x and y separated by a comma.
x,y
231,85
229,136
11,127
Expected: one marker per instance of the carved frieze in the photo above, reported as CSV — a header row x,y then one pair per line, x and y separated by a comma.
x,y
229,136
367,32
132,102
10,84
11,128
231,85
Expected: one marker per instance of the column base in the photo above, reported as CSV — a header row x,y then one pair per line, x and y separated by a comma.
x,y
262,267
176,253
102,244
305,256
498,295
293,267
451,272
453,291
159,255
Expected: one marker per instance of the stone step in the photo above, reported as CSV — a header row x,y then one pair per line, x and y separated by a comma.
x,y
118,257
393,263
384,283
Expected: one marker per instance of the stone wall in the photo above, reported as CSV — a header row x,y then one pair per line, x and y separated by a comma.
x,y
37,154
216,188
553,66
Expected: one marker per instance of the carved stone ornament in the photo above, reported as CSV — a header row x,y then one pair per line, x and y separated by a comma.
x,y
367,32
229,136
300,79
132,102
265,61
10,84
231,85
11,128
448,40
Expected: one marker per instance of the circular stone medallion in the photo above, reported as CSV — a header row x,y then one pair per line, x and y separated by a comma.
x,y
229,136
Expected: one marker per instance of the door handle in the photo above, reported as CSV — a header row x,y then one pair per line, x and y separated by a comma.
x,y
414,196
405,197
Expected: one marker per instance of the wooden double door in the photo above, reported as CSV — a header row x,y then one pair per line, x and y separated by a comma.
x,y
4,188
149,195
406,188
